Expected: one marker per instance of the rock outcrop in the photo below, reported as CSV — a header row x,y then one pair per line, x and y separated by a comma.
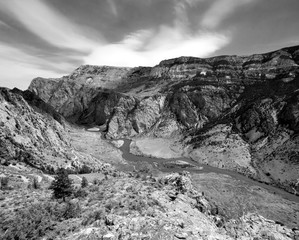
x,y
35,138
254,98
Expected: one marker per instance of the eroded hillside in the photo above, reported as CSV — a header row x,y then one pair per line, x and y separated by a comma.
x,y
34,134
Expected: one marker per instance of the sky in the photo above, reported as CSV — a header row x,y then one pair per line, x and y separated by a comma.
x,y
51,38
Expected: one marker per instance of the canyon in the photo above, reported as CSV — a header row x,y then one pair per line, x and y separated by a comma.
x,y
206,143
231,112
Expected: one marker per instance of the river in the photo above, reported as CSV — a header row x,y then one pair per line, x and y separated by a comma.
x,y
159,162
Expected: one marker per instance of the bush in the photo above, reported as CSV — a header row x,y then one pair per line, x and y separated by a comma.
x,y
4,183
84,182
94,216
85,169
37,220
35,184
62,186
80,193
96,181
30,223
71,210
94,188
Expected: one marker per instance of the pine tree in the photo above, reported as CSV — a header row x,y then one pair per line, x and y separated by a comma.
x,y
84,182
62,186
4,183
35,183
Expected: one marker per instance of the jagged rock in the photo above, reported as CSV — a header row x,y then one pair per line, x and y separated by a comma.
x,y
254,226
28,136
108,236
118,143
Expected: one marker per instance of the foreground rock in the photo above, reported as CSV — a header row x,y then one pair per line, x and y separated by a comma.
x,y
128,206
168,209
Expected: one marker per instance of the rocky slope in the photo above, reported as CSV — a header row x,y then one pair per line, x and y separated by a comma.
x,y
127,206
29,134
233,112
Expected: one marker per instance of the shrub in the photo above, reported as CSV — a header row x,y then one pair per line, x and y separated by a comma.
x,y
94,188
35,184
97,181
4,183
94,216
30,223
84,182
62,186
71,210
80,193
85,169
37,220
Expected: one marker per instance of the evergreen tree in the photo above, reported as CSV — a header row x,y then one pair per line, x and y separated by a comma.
x,y
35,183
84,182
62,186
3,183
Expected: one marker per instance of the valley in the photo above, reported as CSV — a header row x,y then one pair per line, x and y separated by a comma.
x,y
234,193
185,146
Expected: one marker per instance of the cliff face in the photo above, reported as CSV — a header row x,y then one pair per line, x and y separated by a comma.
x,y
244,108
30,134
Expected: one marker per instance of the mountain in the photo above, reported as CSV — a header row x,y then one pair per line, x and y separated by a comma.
x,y
233,112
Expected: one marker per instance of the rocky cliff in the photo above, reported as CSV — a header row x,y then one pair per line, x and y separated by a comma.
x,y
233,112
33,133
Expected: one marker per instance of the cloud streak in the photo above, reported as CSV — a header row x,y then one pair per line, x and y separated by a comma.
x,y
19,67
48,24
148,47
112,7
220,10
3,24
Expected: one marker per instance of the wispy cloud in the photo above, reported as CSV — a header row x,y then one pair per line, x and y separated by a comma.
x,y
3,24
17,56
19,67
166,44
148,47
181,8
48,24
220,10
112,7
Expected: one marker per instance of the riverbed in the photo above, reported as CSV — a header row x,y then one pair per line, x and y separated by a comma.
x,y
159,164
200,168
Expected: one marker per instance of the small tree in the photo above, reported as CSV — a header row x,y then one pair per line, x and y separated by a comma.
x,y
35,183
62,186
84,182
3,183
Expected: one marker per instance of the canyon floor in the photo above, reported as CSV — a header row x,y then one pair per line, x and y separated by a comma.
x,y
235,195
